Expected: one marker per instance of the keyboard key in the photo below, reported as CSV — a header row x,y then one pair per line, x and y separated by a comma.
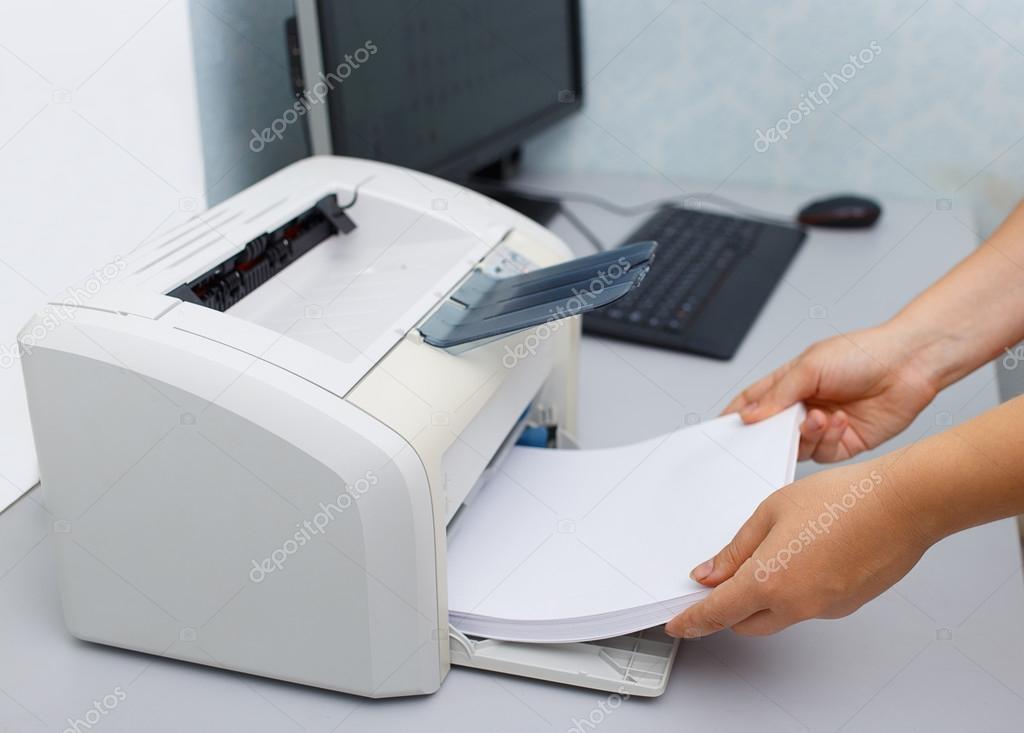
x,y
697,251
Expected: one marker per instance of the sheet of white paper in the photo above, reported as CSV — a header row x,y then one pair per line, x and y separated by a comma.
x,y
595,533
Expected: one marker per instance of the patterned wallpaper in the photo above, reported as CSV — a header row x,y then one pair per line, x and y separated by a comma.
x,y
932,103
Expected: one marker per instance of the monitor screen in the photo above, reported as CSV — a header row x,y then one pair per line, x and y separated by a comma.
x,y
447,86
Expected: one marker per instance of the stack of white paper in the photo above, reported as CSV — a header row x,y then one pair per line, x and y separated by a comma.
x,y
577,545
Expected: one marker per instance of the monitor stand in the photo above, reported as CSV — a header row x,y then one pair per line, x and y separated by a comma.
x,y
541,212
490,181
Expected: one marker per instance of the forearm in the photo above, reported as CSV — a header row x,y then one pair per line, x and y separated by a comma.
x,y
968,475
974,312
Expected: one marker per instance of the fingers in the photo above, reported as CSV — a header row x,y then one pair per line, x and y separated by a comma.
x,y
725,564
727,605
811,432
795,385
754,392
828,438
734,598
830,448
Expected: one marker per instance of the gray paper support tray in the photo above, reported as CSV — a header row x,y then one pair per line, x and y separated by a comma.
x,y
484,307
635,664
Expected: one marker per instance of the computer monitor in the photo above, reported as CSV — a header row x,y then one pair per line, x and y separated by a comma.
x,y
443,86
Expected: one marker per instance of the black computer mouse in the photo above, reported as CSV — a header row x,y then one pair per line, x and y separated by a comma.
x,y
841,212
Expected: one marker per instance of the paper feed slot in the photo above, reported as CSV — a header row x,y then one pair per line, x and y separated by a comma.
x,y
485,307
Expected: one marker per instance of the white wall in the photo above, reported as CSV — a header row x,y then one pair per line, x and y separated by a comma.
x,y
99,148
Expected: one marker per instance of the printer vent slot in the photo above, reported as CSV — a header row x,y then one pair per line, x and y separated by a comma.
x,y
192,224
263,257
266,210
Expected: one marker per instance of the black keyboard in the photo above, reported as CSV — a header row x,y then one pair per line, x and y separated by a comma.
x,y
710,277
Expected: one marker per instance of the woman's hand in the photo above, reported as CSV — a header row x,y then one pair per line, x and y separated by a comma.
x,y
860,389
818,548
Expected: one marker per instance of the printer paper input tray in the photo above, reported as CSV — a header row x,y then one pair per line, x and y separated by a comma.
x,y
635,664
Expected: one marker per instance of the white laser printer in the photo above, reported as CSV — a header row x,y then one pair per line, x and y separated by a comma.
x,y
345,339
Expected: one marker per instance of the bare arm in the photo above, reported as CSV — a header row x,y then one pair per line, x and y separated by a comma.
x,y
968,475
973,312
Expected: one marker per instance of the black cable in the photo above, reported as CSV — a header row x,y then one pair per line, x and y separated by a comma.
x,y
621,210
355,193
582,228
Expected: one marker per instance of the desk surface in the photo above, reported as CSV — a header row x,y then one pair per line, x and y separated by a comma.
x,y
943,650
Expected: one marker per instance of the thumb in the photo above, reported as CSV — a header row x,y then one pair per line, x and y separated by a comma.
x,y
796,385
725,564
